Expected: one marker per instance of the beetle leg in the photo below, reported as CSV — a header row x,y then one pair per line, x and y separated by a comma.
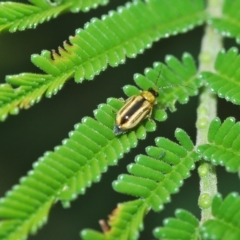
x,y
149,116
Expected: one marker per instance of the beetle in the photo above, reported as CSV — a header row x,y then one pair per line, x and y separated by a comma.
x,y
136,109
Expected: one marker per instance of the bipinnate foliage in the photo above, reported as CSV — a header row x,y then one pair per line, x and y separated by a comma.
x,y
224,144
223,147
154,178
225,81
107,41
67,171
225,224
81,159
184,226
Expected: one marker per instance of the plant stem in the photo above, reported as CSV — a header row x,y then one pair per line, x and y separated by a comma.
x,y
206,112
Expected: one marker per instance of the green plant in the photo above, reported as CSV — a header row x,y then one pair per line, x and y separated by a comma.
x,y
66,172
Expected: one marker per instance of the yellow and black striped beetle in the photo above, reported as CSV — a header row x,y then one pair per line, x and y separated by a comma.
x,y
136,109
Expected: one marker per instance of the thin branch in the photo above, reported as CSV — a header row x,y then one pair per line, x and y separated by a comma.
x,y
206,112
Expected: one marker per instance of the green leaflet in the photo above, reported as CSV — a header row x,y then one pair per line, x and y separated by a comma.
x,y
156,176
184,226
125,223
225,82
225,224
223,147
18,17
29,90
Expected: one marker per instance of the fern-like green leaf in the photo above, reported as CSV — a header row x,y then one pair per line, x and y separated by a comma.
x,y
177,82
65,172
224,144
90,51
68,171
155,180
226,224
228,23
225,82
18,17
30,87
124,223
184,227
126,220
130,30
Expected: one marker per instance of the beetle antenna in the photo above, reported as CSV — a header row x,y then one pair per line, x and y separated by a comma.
x,y
159,75
177,85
